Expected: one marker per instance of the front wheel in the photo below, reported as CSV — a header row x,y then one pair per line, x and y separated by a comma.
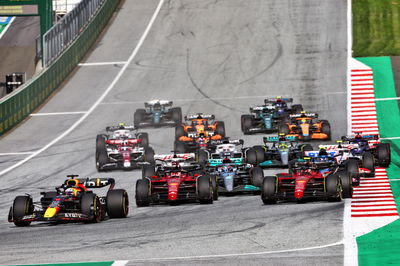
x,y
149,155
332,188
220,128
90,206
142,194
383,154
176,115
204,190
257,176
22,206
145,139
347,186
368,161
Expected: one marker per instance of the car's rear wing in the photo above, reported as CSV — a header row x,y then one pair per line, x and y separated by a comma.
x,y
272,139
114,128
352,138
171,156
216,162
262,108
274,100
98,182
120,142
165,103
199,116
310,115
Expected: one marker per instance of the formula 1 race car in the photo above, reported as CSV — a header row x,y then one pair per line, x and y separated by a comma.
x,y
122,148
197,141
233,175
305,127
359,146
175,178
72,201
200,123
277,151
307,180
158,113
268,117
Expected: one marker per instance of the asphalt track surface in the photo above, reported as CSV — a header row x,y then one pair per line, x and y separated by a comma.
x,y
217,57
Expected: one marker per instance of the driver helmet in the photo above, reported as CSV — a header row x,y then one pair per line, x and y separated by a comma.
x,y
121,125
157,106
322,152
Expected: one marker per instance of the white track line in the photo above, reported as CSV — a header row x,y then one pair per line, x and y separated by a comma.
x,y
59,113
241,254
101,98
103,63
388,99
391,138
120,263
6,28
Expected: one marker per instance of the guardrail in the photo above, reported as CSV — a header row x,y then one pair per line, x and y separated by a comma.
x,y
17,106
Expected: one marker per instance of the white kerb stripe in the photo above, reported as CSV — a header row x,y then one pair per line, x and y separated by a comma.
x,y
120,263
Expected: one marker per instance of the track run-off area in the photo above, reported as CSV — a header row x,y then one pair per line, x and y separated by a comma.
x,y
218,57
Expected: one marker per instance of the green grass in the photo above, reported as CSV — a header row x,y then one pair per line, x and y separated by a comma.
x,y
376,28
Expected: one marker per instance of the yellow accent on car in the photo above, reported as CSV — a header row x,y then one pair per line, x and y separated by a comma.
x,y
50,212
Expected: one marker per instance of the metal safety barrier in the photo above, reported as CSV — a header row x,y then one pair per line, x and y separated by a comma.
x,y
67,29
17,106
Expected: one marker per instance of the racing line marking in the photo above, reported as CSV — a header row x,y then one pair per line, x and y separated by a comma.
x,y
99,100
241,254
15,153
120,263
103,63
58,113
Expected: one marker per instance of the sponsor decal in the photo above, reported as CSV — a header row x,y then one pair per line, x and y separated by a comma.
x,y
73,215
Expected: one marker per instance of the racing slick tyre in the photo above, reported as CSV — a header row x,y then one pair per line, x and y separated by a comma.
x,y
205,189
352,167
347,186
368,161
145,139
246,122
117,203
259,153
90,206
202,157
304,148
333,188
180,147
101,160
179,132
100,144
142,195
148,170
251,156
139,117
283,129
149,155
22,206
176,115
257,176
220,128
214,183
383,154
268,190
297,108
326,128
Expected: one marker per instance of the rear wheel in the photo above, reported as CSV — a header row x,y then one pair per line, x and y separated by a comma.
x,y
149,155
101,160
117,203
148,170
176,115
326,128
283,129
139,117
368,161
268,190
179,132
100,144
251,156
214,183
22,206
257,176
180,147
246,123
352,167
259,153
347,186
202,157
145,139
204,190
383,154
332,188
90,206
142,194
220,128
